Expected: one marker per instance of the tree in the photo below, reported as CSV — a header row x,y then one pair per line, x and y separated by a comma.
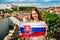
x,y
50,18
8,11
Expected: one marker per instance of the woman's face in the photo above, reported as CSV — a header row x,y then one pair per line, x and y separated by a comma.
x,y
34,15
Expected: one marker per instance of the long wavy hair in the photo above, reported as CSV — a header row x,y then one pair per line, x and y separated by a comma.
x,y
39,15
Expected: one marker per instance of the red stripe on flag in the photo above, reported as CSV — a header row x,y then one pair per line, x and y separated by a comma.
x,y
33,34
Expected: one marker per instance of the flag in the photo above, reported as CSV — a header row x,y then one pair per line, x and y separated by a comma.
x,y
32,29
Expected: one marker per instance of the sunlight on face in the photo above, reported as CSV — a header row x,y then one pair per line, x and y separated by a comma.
x,y
34,15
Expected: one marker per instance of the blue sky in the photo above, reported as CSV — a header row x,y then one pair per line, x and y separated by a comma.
x,y
35,3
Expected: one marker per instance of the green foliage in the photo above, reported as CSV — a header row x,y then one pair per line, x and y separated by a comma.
x,y
50,18
8,11
24,9
14,9
20,9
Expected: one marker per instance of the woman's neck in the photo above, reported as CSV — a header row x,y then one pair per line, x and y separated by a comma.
x,y
36,20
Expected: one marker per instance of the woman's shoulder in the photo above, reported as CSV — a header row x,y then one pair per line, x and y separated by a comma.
x,y
39,21
42,22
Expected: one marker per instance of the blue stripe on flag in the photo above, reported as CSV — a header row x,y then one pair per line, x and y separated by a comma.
x,y
42,29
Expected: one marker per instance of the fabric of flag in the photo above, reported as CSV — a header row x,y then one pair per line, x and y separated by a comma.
x,y
32,29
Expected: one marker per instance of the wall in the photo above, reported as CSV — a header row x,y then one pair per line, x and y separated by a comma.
x,y
4,27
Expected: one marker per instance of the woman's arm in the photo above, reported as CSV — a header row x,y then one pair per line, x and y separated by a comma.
x,y
46,30
46,33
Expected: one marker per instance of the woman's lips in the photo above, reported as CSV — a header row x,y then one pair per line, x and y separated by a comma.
x,y
35,16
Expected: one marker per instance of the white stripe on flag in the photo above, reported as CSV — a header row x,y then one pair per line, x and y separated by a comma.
x,y
34,26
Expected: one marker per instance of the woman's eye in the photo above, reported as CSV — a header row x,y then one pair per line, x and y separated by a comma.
x,y
34,13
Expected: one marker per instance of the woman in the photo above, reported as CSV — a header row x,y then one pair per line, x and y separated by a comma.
x,y
36,17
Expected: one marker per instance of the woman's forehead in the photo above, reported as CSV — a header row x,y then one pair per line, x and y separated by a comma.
x,y
34,12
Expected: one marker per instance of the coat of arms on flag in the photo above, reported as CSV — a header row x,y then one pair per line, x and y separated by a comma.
x,y
27,29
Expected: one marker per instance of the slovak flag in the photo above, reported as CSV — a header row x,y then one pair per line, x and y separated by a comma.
x,y
32,29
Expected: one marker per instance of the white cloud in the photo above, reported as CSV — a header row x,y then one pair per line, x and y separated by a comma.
x,y
21,0
15,0
3,6
31,0
47,0
27,4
